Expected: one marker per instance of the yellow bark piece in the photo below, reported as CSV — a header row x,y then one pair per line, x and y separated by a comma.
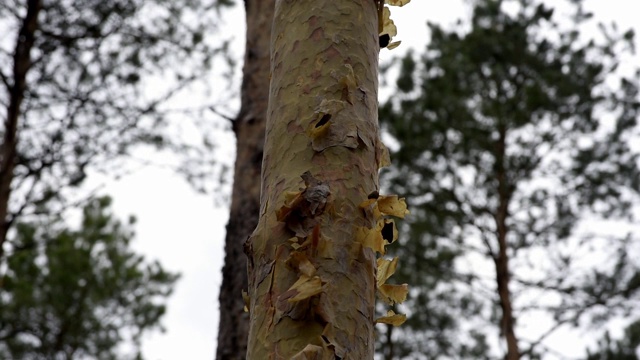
x,y
382,153
393,293
349,84
310,352
397,2
370,208
306,288
371,238
247,300
320,125
392,319
291,198
388,27
368,204
295,244
386,268
300,261
393,45
392,205
323,130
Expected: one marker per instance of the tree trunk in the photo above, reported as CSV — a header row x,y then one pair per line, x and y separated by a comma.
x,y
249,127
389,353
311,273
9,146
507,323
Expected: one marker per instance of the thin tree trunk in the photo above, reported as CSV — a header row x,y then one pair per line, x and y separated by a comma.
x,y
9,146
249,127
389,355
311,274
507,323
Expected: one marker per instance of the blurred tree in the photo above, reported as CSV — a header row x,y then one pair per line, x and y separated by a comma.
x,y
71,294
623,349
85,81
511,137
249,127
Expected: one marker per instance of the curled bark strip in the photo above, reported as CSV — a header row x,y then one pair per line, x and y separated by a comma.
x,y
301,209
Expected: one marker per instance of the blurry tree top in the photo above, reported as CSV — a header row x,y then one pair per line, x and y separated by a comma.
x,y
79,293
103,78
522,118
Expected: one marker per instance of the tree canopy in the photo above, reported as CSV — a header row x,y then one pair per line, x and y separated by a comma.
x,y
85,82
75,293
623,349
514,143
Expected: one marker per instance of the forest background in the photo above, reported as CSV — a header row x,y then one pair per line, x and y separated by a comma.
x,y
184,229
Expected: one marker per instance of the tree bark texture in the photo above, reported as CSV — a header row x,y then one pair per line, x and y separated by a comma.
x,y
312,278
249,127
9,146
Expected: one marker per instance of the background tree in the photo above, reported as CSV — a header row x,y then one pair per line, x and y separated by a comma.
x,y
70,294
510,139
623,349
249,128
76,77
83,85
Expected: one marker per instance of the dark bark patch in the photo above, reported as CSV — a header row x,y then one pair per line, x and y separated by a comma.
x,y
300,211
325,119
387,232
384,40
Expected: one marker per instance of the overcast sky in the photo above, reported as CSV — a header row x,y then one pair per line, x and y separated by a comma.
x,y
185,231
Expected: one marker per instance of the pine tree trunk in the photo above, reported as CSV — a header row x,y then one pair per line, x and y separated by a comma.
x,y
16,90
507,323
311,279
249,127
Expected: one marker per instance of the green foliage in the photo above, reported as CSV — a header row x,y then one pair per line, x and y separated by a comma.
x,y
624,349
78,293
101,83
511,113
102,79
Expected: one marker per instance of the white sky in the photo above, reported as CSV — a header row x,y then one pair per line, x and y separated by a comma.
x,y
185,231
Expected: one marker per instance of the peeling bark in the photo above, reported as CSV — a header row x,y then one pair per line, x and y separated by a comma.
x,y
249,127
8,149
312,278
